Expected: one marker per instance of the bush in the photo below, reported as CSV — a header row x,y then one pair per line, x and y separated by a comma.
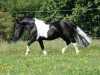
x,y
5,25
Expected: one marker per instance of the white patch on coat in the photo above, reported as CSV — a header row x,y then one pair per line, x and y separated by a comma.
x,y
42,28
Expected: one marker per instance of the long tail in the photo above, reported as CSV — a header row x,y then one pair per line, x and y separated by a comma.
x,y
82,37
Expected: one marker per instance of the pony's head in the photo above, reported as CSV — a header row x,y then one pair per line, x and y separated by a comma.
x,y
20,24
18,29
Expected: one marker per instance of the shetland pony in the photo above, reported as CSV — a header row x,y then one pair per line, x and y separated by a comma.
x,y
39,30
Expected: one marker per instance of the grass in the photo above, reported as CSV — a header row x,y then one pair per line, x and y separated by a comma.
x,y
14,62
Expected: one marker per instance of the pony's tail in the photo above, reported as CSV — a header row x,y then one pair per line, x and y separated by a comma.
x,y
82,37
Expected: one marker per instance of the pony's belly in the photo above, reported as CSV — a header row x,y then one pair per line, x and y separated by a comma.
x,y
49,38
52,34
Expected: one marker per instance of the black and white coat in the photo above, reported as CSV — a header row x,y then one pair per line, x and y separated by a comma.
x,y
39,31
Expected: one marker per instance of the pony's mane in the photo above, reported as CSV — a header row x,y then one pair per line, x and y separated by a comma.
x,y
21,18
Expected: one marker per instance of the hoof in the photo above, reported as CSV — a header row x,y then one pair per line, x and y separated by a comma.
x,y
26,54
63,51
77,52
44,53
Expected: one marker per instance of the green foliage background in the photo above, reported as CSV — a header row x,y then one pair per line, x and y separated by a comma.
x,y
85,13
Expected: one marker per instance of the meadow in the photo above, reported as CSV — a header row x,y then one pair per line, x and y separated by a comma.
x,y
14,62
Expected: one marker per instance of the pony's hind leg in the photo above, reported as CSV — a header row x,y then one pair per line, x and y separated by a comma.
x,y
64,49
76,48
75,44
67,41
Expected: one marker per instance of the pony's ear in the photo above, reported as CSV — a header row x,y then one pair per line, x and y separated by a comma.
x,y
23,21
17,20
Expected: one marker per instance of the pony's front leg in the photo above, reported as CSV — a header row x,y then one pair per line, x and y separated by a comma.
x,y
27,50
42,47
28,44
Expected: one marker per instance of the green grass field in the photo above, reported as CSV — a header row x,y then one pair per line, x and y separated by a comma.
x,y
14,62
